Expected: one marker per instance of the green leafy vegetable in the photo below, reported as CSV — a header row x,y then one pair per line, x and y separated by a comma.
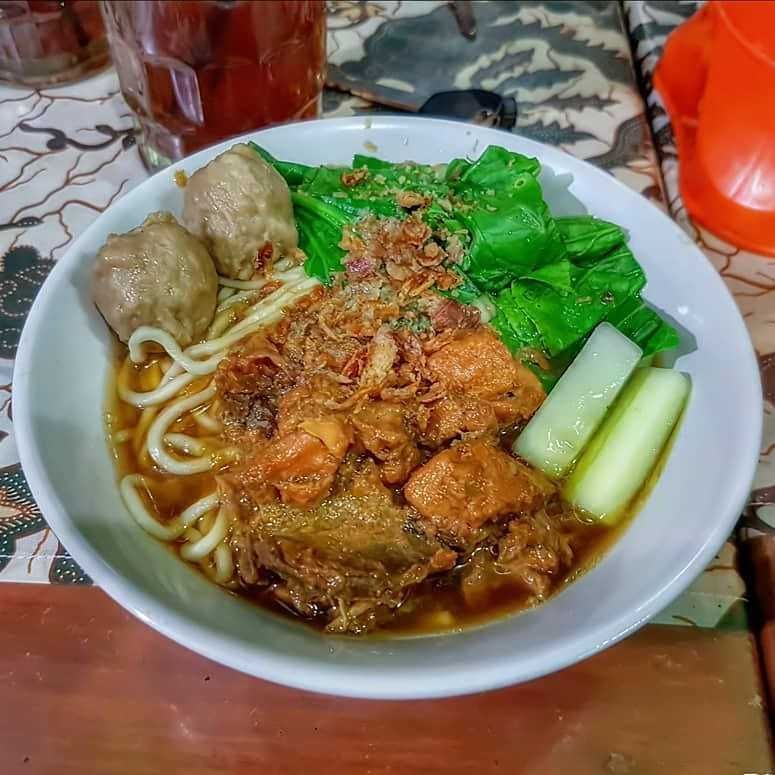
x,y
320,232
324,204
566,303
465,293
546,282
455,169
588,239
502,205
644,326
292,172
600,280
499,168
386,177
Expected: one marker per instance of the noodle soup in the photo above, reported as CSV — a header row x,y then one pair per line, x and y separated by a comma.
x,y
162,402
169,494
334,401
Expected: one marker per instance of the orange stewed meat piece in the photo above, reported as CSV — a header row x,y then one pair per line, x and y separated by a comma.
x,y
455,415
463,487
302,467
381,428
476,363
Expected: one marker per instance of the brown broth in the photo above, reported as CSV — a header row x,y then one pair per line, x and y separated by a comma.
x,y
170,493
437,605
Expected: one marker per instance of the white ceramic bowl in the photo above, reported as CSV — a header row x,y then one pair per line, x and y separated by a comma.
x,y
59,393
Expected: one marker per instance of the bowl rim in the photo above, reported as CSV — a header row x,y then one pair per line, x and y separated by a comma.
x,y
213,645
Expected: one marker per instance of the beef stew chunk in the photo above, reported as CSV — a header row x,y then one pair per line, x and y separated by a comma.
x,y
351,559
372,457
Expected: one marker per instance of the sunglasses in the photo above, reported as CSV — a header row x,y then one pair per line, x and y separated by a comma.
x,y
475,105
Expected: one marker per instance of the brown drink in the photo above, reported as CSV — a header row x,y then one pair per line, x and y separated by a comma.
x,y
197,72
45,42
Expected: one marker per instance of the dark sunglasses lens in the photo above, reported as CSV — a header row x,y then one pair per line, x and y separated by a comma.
x,y
476,105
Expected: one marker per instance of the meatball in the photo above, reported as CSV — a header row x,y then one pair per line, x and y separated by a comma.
x,y
236,205
156,275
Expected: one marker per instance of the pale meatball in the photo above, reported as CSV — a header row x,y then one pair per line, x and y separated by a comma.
x,y
156,275
236,205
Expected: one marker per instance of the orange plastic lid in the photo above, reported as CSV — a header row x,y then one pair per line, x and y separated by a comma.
x,y
717,80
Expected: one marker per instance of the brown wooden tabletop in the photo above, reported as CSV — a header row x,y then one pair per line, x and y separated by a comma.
x,y
86,688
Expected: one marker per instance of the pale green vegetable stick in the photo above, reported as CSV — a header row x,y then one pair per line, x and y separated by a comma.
x,y
566,421
624,451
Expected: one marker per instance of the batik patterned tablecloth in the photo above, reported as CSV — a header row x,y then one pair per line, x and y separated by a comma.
x,y
66,154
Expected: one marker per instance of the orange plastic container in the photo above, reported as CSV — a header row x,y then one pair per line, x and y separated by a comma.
x,y
717,80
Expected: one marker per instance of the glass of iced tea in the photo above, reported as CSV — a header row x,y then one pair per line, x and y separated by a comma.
x,y
199,71
46,42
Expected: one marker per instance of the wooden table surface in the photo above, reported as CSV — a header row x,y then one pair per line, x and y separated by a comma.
x,y
86,688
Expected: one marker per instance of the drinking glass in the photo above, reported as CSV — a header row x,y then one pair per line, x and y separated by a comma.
x,y
197,72
45,42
